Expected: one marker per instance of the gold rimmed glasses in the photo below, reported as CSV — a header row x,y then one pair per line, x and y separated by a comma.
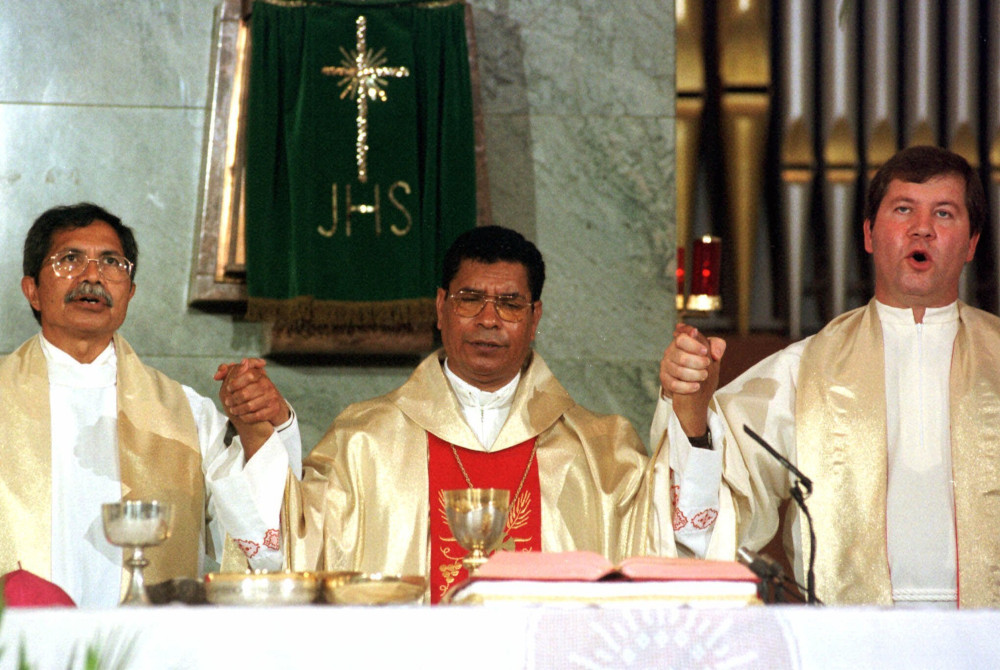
x,y
470,303
69,264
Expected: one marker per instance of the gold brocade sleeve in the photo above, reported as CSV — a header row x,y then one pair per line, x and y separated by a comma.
x,y
595,484
362,502
755,484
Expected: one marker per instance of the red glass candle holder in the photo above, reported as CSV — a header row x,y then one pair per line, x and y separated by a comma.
x,y
680,278
705,275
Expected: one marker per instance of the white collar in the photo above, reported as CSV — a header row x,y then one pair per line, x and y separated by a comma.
x,y
473,397
904,315
65,370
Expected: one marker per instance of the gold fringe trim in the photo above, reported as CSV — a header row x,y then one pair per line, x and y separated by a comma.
x,y
432,4
305,315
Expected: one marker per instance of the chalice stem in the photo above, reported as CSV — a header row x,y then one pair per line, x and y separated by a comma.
x,y
474,560
136,593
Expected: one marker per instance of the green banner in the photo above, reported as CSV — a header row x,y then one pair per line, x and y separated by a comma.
x,y
360,161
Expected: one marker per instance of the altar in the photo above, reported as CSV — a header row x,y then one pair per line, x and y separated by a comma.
x,y
522,636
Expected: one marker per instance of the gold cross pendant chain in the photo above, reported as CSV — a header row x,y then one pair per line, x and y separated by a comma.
x,y
524,477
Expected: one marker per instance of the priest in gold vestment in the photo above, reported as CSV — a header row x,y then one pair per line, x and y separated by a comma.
x,y
83,422
484,412
891,410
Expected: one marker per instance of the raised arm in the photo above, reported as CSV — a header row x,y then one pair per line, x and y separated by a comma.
x,y
689,376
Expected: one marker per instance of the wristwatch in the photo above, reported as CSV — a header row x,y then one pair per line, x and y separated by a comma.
x,y
703,442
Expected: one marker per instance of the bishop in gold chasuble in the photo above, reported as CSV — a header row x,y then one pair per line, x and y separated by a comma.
x,y
369,497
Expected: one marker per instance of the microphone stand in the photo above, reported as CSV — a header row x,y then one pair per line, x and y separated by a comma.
x,y
800,500
799,496
773,579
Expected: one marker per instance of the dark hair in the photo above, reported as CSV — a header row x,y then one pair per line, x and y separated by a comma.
x,y
38,242
917,165
492,244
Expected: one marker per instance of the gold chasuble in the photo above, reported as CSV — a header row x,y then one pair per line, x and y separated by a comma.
x,y
159,459
365,499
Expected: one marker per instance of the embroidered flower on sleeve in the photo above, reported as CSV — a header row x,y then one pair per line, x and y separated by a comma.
x,y
249,547
272,538
704,518
679,519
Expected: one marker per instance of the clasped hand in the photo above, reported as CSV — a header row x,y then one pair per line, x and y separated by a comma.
x,y
251,401
689,375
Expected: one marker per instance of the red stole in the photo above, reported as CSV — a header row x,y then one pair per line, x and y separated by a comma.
x,y
501,470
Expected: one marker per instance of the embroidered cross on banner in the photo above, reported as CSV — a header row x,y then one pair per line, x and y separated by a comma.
x,y
364,76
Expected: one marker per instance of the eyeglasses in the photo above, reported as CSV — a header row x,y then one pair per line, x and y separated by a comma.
x,y
69,264
469,304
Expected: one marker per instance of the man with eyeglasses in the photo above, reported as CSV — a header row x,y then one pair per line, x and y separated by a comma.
x,y
483,412
83,422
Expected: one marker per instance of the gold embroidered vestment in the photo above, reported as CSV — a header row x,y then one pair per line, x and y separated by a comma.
x,y
363,501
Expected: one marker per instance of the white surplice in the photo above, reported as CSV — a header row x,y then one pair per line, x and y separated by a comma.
x,y
242,498
920,504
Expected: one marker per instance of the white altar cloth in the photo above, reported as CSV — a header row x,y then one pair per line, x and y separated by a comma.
x,y
775,637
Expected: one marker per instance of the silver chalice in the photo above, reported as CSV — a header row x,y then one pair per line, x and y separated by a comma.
x,y
137,524
477,518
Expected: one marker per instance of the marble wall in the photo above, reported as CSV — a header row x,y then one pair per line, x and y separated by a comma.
x,y
107,101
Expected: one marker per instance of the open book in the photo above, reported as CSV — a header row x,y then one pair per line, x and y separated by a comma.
x,y
589,566
585,577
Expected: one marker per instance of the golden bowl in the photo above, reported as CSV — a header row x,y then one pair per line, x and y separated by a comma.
x,y
332,579
352,588
261,588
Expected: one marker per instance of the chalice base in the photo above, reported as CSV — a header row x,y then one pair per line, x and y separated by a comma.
x,y
136,592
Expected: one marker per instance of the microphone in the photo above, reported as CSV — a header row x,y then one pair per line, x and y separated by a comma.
x,y
806,482
800,500
773,580
761,565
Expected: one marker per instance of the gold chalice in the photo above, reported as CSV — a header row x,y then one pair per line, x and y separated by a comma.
x,y
137,524
477,518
